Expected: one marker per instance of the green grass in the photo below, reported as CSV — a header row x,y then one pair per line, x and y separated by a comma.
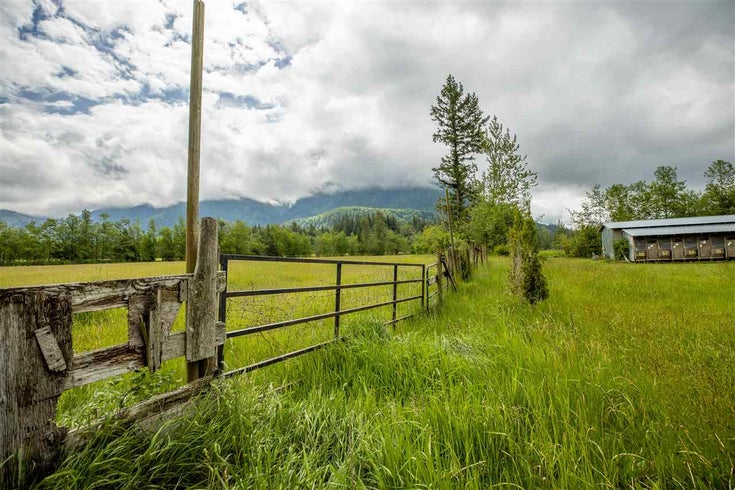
x,y
623,379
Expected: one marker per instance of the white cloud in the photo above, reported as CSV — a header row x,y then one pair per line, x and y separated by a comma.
x,y
303,95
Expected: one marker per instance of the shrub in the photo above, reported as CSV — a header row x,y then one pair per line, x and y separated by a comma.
x,y
526,277
502,250
621,249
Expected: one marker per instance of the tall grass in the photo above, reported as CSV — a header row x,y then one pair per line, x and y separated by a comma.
x,y
622,379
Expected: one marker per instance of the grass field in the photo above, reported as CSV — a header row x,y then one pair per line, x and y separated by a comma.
x,y
623,379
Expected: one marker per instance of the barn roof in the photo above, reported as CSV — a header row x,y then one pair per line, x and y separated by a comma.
x,y
681,230
671,222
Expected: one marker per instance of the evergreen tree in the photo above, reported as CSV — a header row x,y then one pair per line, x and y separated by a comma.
x,y
149,245
460,125
526,277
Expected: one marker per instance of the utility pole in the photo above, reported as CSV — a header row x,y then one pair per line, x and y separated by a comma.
x,y
194,369
195,136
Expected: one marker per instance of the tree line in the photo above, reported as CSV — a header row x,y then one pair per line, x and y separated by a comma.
x,y
666,196
81,239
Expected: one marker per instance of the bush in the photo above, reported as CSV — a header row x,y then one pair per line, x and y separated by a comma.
x,y
502,250
621,249
526,277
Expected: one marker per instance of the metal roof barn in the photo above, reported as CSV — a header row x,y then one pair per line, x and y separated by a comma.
x,y
672,239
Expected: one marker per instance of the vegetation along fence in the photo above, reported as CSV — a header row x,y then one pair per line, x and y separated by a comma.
x,y
38,362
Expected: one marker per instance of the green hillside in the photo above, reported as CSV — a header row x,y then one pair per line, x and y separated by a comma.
x,y
334,216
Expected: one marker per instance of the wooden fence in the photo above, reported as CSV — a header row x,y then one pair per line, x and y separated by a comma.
x,y
38,363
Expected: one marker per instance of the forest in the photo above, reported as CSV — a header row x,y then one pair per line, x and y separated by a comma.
x,y
81,239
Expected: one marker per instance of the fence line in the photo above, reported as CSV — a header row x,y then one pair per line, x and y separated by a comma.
x,y
38,362
338,311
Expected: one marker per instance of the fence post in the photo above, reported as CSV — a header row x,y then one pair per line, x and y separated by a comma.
x,y
201,305
423,287
337,297
395,292
439,275
36,353
222,313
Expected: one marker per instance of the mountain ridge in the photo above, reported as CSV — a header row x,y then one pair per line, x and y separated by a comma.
x,y
258,213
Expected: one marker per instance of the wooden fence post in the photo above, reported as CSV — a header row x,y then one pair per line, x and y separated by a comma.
x,y
35,355
337,299
424,299
395,293
439,275
202,305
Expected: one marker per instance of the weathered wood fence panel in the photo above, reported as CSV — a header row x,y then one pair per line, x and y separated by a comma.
x,y
37,361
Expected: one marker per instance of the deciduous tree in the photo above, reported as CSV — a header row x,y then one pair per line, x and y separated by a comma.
x,y
719,193
507,180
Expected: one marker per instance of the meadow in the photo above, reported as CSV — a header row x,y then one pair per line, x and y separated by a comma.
x,y
622,379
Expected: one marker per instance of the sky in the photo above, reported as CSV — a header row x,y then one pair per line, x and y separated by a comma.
x,y
307,96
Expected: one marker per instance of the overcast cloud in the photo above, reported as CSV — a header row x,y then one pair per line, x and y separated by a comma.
x,y
305,96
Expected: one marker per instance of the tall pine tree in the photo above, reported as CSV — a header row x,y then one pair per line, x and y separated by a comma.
x,y
460,124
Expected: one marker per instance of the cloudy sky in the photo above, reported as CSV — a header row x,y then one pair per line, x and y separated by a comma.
x,y
305,96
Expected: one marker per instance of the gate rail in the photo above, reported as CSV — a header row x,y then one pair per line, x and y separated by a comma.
x,y
337,313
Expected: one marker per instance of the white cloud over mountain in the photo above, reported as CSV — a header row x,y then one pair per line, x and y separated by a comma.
x,y
300,96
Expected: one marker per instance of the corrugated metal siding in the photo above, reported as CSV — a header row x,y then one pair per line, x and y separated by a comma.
x,y
607,243
652,223
681,230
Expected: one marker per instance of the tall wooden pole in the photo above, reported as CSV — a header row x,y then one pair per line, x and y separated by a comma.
x,y
194,368
195,136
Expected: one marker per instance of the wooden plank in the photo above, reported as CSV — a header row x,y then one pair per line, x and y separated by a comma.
x,y
143,302
161,318
142,411
103,363
50,349
139,306
201,311
112,361
101,295
175,345
156,334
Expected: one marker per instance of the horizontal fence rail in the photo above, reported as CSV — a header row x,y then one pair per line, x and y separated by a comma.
x,y
338,312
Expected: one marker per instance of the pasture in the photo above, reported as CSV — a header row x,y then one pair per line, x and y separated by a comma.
x,y
622,379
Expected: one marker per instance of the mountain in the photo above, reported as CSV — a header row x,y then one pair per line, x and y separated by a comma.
x,y
418,198
18,220
421,199
248,210
333,216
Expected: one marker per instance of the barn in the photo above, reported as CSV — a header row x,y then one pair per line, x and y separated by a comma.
x,y
673,239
